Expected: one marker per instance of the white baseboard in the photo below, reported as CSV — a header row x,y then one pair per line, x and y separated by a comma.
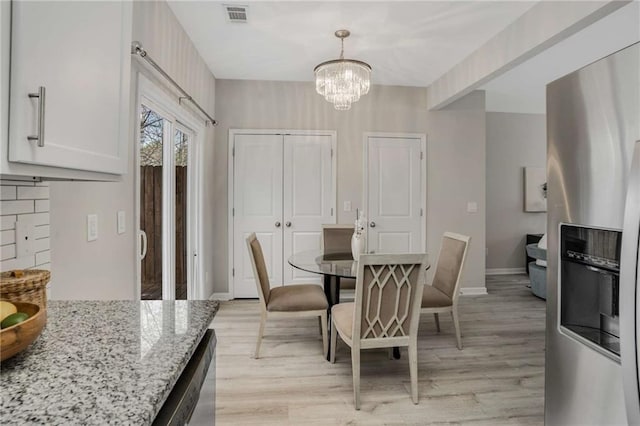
x,y
505,271
473,291
220,296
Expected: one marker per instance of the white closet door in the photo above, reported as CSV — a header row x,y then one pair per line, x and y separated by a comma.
x,y
308,198
394,195
258,208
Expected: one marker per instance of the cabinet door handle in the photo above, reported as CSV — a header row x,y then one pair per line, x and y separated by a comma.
x,y
277,224
288,224
42,91
372,224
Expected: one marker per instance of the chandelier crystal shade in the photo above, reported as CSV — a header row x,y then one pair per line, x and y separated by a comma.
x,y
343,81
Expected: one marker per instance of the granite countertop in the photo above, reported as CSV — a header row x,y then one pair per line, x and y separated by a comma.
x,y
107,362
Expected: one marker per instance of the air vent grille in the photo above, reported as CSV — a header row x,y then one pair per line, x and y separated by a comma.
x,y
236,12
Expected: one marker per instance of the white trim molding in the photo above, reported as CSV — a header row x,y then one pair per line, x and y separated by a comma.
x,y
473,291
505,271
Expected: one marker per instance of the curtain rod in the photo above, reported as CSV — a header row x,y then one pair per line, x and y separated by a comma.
x,y
137,49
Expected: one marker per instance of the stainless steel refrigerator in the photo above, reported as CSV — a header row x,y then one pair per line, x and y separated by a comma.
x,y
593,176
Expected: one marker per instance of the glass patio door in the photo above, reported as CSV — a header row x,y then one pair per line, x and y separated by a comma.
x,y
165,204
182,138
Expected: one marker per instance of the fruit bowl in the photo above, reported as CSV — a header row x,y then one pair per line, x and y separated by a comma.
x,y
17,338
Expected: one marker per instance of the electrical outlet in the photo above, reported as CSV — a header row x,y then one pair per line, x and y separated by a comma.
x,y
92,227
25,237
347,206
121,222
472,207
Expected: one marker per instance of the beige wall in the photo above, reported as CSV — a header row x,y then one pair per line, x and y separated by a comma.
x,y
105,269
455,152
514,141
457,176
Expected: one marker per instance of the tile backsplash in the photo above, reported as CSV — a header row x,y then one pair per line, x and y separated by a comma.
x,y
29,202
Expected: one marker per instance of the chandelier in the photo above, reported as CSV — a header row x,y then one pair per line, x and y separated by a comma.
x,y
342,81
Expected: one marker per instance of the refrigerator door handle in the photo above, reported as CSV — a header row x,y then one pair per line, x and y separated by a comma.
x,y
629,295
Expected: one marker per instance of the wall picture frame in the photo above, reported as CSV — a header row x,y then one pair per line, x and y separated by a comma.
x,y
535,192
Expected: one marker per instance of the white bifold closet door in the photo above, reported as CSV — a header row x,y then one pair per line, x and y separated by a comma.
x,y
283,191
257,208
307,197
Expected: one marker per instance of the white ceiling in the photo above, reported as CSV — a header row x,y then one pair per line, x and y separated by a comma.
x,y
406,43
523,88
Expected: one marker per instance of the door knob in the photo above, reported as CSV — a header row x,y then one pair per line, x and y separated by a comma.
x,y
372,224
277,224
288,224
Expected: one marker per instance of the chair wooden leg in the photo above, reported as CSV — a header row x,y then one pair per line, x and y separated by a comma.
x,y
325,338
334,341
437,317
263,320
355,367
413,370
456,324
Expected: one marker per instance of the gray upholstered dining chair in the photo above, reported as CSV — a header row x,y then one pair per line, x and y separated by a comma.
x,y
289,301
337,239
442,295
385,313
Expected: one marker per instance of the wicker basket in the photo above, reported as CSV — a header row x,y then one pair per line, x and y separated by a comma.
x,y
30,287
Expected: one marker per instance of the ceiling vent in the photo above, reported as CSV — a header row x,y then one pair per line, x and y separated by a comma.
x,y
236,12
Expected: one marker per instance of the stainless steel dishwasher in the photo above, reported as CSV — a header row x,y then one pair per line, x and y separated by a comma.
x,y
183,399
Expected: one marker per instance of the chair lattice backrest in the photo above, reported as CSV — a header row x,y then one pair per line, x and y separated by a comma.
x,y
337,238
388,295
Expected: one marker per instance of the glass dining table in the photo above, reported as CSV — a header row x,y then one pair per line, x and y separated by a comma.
x,y
332,266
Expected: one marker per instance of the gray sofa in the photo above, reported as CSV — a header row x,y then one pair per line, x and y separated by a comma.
x,y
538,273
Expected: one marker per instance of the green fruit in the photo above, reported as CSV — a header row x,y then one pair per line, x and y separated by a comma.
x,y
14,319
6,309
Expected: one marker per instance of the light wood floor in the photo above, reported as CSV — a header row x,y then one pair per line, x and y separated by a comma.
x,y
498,378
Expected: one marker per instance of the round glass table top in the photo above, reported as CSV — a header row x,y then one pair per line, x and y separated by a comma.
x,y
317,262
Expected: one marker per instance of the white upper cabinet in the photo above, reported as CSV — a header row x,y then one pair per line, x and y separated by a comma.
x,y
70,70
5,25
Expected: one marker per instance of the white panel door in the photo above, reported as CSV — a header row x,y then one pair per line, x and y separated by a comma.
x,y
308,198
395,195
257,208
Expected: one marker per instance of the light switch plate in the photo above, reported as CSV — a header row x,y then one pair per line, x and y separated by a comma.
x,y
122,227
347,206
92,227
472,207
